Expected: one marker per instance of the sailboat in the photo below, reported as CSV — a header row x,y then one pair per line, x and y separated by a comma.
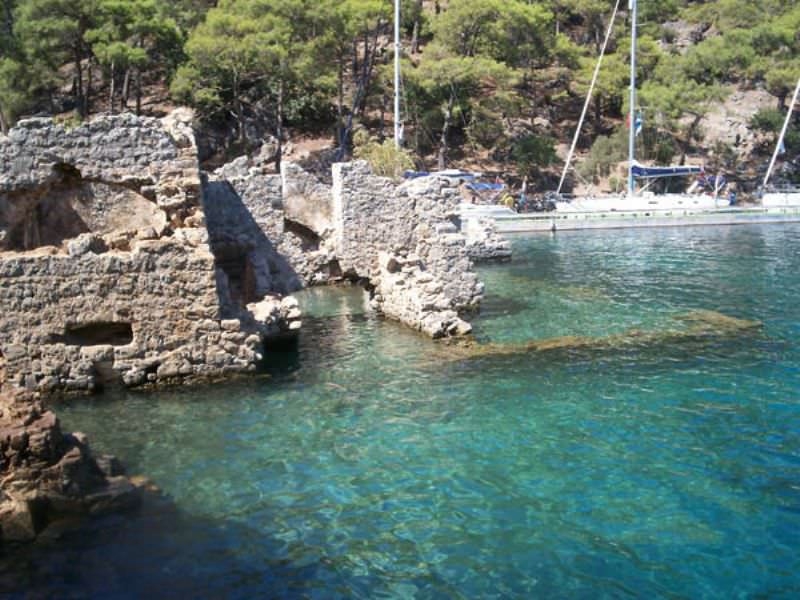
x,y
630,200
772,196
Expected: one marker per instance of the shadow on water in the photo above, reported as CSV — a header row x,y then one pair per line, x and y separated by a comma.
x,y
163,552
158,552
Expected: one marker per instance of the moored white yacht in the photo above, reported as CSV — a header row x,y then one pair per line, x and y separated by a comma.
x,y
633,199
783,195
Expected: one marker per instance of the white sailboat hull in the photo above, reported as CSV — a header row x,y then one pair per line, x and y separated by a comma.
x,y
782,198
625,203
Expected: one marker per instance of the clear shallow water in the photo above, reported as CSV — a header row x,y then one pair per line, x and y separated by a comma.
x,y
368,466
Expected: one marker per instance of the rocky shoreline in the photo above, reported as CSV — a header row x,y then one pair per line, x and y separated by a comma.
x,y
48,475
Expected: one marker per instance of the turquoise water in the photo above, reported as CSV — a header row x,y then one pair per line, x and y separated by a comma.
x,y
369,465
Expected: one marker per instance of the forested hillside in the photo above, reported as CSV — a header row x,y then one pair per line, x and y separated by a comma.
x,y
498,81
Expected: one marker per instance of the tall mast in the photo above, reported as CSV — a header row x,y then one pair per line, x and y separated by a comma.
x,y
631,113
783,134
397,73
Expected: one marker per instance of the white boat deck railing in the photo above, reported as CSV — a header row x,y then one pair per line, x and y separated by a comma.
x,y
782,188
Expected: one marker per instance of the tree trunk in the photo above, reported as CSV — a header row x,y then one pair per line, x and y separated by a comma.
x,y
3,122
237,107
79,98
448,116
126,87
367,67
340,106
359,98
598,113
87,95
138,92
415,31
111,82
689,137
382,120
279,126
782,101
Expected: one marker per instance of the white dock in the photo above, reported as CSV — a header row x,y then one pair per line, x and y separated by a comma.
x,y
508,221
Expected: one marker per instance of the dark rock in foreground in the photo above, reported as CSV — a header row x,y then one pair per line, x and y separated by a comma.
x,y
48,475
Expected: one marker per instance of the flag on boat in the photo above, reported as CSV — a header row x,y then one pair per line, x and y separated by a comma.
x,y
638,122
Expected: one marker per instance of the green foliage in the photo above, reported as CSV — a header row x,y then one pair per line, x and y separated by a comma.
x,y
514,32
485,129
566,53
52,33
384,157
767,120
770,121
14,91
606,152
532,153
327,64
658,12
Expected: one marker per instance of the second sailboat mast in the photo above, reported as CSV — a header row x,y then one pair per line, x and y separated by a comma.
x,y
632,109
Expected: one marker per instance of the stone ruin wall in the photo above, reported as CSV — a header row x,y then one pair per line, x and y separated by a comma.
x,y
405,240
250,216
293,230
106,272
120,264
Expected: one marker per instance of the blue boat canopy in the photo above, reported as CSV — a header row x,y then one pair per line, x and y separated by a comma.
x,y
485,187
641,172
452,173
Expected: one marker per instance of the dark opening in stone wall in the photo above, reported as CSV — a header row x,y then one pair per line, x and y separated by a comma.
x,y
235,262
34,218
309,240
96,334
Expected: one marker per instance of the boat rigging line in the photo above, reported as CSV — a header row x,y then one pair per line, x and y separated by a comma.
x,y
783,133
588,98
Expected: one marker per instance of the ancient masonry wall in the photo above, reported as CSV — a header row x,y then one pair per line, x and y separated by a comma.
x,y
251,222
293,230
106,273
405,240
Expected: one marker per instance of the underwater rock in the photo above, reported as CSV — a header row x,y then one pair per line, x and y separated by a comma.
x,y
698,325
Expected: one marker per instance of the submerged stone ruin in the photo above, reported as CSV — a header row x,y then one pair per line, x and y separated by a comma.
x,y
122,264
694,327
